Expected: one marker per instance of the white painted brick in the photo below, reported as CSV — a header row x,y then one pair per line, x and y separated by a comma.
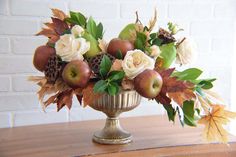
x,y
10,26
4,83
4,7
93,8
216,28
222,45
145,10
203,45
190,11
27,45
21,84
4,120
16,102
36,8
4,45
227,9
12,65
39,117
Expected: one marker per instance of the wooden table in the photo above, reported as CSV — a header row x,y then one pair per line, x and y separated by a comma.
x,y
153,136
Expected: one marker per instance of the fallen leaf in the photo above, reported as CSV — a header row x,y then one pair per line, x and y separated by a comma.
x,y
59,14
89,96
214,122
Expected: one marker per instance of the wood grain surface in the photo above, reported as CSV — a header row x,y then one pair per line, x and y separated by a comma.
x,y
152,136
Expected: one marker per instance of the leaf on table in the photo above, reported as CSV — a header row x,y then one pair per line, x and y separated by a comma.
x,y
59,14
89,96
214,122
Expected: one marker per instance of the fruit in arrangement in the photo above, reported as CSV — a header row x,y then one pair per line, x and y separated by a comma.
x,y
148,83
125,34
54,68
76,74
95,62
117,45
41,56
94,48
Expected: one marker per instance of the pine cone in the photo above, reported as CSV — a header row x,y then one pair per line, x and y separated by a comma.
x,y
165,36
54,68
94,62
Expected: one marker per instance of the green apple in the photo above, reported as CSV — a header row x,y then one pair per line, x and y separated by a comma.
x,y
148,83
76,74
118,45
94,48
125,33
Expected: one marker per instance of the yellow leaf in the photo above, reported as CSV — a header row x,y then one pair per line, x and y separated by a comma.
x,y
214,122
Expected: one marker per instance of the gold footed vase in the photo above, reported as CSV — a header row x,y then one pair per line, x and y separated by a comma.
x,y
113,106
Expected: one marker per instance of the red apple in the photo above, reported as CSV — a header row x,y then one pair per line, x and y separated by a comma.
x,y
76,74
41,56
148,83
117,45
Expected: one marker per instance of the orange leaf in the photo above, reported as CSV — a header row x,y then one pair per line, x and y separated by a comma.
x,y
47,32
59,14
180,97
64,99
214,122
89,96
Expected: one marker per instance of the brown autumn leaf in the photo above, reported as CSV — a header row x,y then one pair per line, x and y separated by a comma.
x,y
64,99
89,96
59,14
59,26
214,122
173,89
51,100
116,65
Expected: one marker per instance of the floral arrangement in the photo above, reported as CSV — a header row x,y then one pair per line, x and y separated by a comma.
x,y
76,61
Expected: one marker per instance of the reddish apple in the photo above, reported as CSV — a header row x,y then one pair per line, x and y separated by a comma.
x,y
76,74
148,83
41,56
118,45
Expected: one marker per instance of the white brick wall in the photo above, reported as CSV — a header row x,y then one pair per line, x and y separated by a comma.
x,y
209,22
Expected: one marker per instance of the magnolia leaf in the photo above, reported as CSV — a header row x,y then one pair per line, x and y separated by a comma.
x,y
89,95
170,112
214,122
188,109
59,14
189,74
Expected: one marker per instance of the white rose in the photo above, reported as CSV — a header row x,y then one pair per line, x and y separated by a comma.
x,y
155,51
70,48
186,52
77,31
135,62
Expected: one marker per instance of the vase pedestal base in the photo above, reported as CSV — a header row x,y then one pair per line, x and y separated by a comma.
x,y
112,133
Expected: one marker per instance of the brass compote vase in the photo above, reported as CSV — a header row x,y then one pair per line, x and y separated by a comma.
x,y
113,106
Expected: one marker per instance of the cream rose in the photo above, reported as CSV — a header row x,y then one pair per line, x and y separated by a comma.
x,y
155,51
186,52
77,31
70,48
135,62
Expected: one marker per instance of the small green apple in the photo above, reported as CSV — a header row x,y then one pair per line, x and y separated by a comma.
x,y
148,83
76,74
94,48
125,34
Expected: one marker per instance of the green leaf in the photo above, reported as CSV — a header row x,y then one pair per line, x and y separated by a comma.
x,y
105,66
91,27
157,42
153,35
100,86
189,74
113,88
116,75
188,109
140,41
99,33
168,54
119,55
170,112
77,18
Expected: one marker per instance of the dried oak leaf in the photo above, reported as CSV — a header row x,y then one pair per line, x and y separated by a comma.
x,y
59,14
89,96
214,122
177,90
64,99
